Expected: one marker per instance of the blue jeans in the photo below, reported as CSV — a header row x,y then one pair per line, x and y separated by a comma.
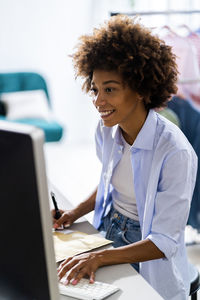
x,y
121,230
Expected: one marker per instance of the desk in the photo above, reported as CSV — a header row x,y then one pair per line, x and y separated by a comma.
x,y
132,285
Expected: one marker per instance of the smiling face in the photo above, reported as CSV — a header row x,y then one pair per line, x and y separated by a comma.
x,y
116,102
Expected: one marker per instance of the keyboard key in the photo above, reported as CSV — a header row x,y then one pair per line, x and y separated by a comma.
x,y
88,291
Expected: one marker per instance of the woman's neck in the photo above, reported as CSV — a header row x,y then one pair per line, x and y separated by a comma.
x,y
130,132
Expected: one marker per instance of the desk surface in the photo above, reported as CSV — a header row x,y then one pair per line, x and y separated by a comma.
x,y
132,285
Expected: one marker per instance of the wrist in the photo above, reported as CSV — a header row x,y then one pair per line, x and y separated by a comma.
x,y
105,257
115,256
77,213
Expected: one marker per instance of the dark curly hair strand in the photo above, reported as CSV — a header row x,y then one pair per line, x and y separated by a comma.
x,y
143,60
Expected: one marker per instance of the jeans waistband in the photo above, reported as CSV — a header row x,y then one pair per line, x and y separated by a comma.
x,y
121,219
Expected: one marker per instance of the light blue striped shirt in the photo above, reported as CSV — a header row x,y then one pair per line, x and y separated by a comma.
x,y
164,166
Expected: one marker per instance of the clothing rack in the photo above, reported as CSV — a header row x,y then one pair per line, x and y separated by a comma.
x,y
189,81
164,12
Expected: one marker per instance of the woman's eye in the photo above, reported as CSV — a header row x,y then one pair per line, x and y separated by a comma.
x,y
93,91
109,90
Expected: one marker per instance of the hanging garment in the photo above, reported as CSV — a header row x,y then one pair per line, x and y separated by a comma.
x,y
190,125
188,66
195,40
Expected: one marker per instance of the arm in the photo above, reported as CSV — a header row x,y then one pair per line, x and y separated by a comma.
x,y
175,190
138,252
86,206
70,216
88,263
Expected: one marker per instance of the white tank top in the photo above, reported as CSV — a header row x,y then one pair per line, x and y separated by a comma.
x,y
123,194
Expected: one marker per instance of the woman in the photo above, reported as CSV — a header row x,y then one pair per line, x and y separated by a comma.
x,y
148,166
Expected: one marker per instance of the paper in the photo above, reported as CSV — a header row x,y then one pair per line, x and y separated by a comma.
x,y
74,243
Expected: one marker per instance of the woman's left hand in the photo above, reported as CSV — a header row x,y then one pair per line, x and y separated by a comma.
x,y
80,266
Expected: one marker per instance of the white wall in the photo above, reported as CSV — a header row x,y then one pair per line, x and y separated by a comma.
x,y
38,35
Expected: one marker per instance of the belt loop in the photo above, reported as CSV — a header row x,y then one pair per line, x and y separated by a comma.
x,y
124,223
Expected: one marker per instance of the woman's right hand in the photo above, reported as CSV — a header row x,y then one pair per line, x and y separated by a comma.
x,y
67,218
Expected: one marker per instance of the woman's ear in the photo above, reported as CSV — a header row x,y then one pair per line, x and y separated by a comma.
x,y
146,99
140,98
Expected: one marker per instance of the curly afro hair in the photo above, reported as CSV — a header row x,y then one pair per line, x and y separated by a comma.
x,y
143,60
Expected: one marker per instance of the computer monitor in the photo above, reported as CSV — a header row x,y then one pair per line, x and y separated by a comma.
x,y
27,259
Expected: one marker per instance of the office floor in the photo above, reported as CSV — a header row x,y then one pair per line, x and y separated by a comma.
x,y
74,170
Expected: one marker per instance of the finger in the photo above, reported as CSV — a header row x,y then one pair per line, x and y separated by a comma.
x,y
92,277
67,224
64,263
73,271
68,266
56,226
53,212
61,273
61,220
54,221
78,276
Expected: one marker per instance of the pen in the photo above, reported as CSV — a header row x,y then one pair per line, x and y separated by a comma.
x,y
57,212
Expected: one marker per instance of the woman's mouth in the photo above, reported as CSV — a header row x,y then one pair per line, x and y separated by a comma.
x,y
106,113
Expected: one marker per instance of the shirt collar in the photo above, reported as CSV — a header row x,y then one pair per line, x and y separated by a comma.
x,y
117,135
146,135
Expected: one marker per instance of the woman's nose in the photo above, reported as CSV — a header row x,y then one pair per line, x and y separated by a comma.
x,y
99,100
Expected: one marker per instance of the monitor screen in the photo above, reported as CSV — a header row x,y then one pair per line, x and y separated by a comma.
x,y
27,260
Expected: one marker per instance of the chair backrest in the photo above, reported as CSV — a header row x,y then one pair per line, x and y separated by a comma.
x,y
22,81
190,125
194,281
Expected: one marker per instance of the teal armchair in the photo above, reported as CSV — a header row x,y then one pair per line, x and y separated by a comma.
x,y
29,81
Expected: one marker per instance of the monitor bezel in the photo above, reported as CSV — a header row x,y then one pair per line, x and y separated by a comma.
x,y
37,137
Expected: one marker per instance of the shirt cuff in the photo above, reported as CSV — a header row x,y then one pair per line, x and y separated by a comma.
x,y
164,244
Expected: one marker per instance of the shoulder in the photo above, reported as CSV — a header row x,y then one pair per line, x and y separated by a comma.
x,y
170,138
